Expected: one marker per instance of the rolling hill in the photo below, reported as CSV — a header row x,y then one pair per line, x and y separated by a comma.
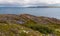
x,y
28,25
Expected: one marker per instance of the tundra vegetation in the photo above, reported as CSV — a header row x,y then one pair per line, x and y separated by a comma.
x,y
28,25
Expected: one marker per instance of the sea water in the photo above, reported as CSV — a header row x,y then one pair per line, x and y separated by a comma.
x,y
48,12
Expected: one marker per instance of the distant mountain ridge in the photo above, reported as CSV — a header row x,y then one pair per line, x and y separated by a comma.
x,y
44,7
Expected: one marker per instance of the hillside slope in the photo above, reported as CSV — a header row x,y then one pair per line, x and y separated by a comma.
x,y
28,25
24,18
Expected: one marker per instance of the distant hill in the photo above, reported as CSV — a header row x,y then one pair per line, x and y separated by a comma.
x,y
28,25
44,7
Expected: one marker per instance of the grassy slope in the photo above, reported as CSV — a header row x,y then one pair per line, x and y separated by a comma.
x,y
9,27
16,30
47,29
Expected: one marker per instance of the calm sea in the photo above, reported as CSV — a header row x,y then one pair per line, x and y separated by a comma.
x,y
49,12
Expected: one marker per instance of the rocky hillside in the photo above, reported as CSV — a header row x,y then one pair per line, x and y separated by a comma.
x,y
28,25
24,18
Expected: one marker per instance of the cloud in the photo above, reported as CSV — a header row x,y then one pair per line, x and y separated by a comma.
x,y
30,2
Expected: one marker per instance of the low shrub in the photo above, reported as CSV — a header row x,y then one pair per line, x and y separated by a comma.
x,y
40,28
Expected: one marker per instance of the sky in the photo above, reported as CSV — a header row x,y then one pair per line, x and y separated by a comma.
x,y
28,2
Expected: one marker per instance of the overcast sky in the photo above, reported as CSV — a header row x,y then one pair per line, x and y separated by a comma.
x,y
29,2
